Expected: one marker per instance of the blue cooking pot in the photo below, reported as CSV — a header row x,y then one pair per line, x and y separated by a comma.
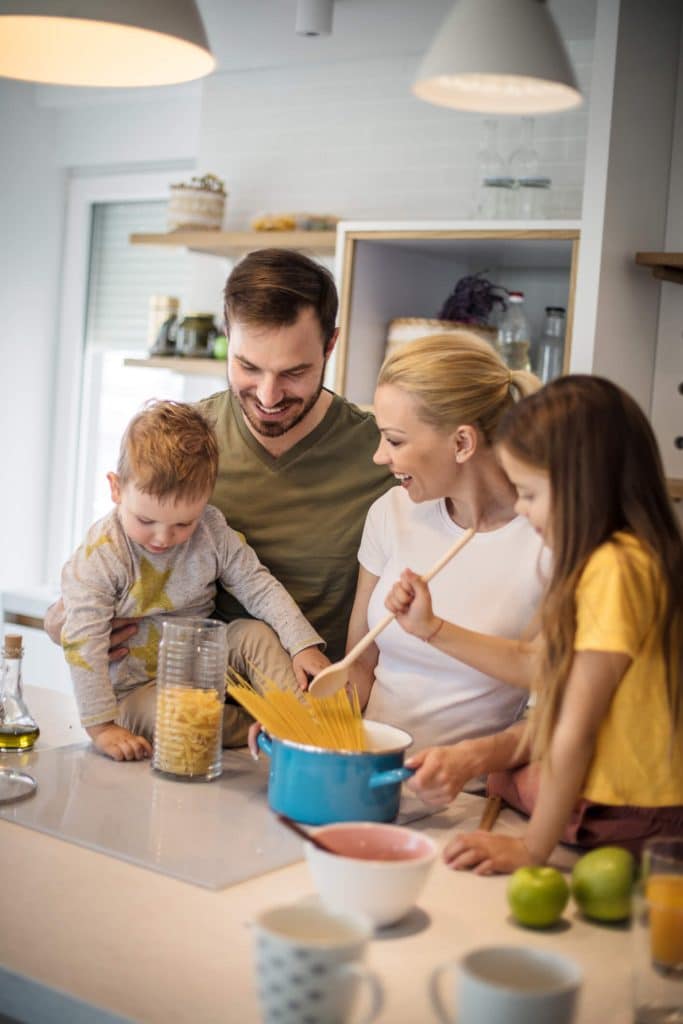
x,y
317,786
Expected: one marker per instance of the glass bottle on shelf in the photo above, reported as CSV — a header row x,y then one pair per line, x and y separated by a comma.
x,y
490,168
523,169
514,336
18,730
550,356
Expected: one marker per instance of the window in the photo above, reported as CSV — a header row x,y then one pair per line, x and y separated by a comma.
x,y
121,280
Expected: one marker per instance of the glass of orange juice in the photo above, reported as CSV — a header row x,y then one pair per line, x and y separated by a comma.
x,y
658,929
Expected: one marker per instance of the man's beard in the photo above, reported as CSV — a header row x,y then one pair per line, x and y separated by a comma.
x,y
267,429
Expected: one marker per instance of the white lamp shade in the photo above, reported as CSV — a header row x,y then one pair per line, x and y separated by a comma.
x,y
499,57
103,43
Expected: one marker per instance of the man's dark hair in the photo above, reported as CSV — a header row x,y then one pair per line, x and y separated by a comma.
x,y
270,287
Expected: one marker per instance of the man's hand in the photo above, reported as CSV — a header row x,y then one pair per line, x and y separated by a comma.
x,y
307,664
487,854
441,773
121,631
119,743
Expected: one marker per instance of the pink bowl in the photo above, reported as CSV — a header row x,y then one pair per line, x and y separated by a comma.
x,y
370,841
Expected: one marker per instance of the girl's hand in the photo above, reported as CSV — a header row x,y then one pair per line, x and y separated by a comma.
x,y
410,601
441,774
487,854
118,743
307,664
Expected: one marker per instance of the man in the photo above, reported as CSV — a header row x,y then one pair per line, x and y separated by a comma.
x,y
295,475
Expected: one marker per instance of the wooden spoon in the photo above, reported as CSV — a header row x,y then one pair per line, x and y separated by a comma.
x,y
333,677
294,826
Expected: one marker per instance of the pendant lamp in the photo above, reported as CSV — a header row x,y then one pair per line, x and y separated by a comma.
x,y
498,57
103,42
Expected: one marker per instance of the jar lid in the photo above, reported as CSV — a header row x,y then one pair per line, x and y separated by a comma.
x,y
557,310
534,182
499,182
515,296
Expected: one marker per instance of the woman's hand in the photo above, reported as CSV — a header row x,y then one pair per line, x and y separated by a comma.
x,y
307,664
118,743
410,601
441,773
252,739
487,854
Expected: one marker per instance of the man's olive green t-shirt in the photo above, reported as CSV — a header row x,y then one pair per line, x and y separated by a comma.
x,y
303,513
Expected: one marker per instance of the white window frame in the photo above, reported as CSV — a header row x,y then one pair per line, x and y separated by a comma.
x,y
84,191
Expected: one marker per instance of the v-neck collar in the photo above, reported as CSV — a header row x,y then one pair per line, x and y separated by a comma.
x,y
276,463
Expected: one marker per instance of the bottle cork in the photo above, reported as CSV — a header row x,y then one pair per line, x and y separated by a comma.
x,y
13,645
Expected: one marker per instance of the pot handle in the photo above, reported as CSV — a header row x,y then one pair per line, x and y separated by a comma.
x,y
389,777
264,743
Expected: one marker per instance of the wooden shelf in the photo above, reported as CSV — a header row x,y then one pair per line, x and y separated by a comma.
x,y
235,243
665,266
180,364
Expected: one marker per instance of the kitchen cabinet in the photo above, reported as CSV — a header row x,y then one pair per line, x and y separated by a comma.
x,y
387,270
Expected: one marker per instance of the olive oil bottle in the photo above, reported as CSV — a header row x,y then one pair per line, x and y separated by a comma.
x,y
18,730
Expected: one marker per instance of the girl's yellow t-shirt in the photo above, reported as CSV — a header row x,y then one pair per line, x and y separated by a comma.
x,y
620,603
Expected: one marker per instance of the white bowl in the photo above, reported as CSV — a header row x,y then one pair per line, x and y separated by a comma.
x,y
379,870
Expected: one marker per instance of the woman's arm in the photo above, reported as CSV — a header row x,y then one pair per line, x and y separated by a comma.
x,y
593,680
511,661
362,672
441,772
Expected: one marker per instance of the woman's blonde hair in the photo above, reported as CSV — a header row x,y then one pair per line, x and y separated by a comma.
x,y
169,449
457,378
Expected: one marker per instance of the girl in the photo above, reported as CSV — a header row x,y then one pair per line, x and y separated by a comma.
x,y
606,736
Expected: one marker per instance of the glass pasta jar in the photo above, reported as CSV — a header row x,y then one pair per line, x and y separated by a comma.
x,y
190,697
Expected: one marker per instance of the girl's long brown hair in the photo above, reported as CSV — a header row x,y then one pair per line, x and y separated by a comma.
x,y
606,474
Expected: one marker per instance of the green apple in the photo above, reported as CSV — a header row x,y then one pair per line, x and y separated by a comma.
x,y
220,347
602,882
537,896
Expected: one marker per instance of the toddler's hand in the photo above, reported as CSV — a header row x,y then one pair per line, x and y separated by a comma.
x,y
118,743
307,664
487,854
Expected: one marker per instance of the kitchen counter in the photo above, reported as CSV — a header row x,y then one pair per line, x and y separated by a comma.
x,y
142,946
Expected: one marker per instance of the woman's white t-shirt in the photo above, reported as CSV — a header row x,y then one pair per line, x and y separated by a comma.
x,y
492,586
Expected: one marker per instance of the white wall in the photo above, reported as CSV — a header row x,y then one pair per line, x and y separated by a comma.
x,y
351,139
31,214
47,136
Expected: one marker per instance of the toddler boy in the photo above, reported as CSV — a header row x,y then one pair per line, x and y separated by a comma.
x,y
159,553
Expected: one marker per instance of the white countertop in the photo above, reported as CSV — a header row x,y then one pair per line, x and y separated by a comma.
x,y
151,948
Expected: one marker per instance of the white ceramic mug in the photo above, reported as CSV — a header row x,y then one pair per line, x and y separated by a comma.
x,y
307,965
509,985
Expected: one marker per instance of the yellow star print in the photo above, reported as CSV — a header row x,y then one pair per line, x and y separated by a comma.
x,y
149,651
101,540
148,591
73,655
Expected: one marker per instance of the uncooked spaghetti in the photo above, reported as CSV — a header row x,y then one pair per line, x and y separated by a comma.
x,y
333,723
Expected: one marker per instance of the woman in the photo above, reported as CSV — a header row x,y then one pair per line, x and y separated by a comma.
x,y
438,403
